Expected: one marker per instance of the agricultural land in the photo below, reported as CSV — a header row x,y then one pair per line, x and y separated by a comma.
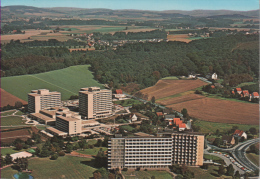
x,y
7,98
68,81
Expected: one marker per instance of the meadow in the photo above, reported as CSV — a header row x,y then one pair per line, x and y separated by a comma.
x,y
93,151
146,174
63,167
68,81
12,121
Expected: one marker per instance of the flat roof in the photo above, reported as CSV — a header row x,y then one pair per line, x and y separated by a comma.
x,y
50,112
142,134
90,122
56,131
67,118
42,117
50,93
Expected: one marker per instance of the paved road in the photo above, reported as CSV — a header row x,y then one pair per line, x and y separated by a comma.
x,y
239,153
226,160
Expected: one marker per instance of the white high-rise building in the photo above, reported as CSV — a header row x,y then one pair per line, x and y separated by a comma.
x,y
95,102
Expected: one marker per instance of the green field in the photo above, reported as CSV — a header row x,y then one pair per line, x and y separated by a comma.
x,y
63,167
244,84
128,102
12,121
93,151
170,78
253,158
68,81
209,127
210,173
146,174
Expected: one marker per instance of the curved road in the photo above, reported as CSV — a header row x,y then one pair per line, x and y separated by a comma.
x,y
239,153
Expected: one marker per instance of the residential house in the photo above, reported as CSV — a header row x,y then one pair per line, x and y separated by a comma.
x,y
255,95
245,93
169,118
133,118
182,127
239,133
228,140
239,90
214,76
159,114
119,94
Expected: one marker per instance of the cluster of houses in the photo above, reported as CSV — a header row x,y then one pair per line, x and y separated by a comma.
x,y
174,122
245,93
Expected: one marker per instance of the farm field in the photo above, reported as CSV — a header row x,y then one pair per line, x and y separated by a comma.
x,y
165,88
68,81
63,167
146,174
10,135
216,110
7,98
206,126
179,37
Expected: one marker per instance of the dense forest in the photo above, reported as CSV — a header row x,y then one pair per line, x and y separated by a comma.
x,y
141,63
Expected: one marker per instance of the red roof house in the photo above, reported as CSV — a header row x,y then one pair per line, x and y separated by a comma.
x,y
240,133
119,91
175,120
178,123
255,95
239,90
182,127
245,93
159,114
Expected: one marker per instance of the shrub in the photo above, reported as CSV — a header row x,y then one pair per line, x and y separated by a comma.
x,y
54,157
61,153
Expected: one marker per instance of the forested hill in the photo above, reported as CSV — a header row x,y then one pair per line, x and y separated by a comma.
x,y
146,63
142,63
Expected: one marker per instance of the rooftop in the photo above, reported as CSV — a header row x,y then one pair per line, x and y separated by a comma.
x,y
42,117
56,131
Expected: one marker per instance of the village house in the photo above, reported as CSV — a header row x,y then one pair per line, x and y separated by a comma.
x,y
119,94
239,134
159,114
255,95
239,90
228,140
182,127
132,118
245,93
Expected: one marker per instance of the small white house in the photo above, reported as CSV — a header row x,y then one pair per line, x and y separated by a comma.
x,y
134,118
214,76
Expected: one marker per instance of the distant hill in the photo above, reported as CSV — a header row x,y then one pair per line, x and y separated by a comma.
x,y
71,11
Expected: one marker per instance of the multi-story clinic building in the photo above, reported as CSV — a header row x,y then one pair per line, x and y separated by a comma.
x,y
43,99
158,152
95,102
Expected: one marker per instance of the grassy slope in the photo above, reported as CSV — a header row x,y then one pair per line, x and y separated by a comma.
x,y
68,81
253,158
206,126
10,150
63,167
7,113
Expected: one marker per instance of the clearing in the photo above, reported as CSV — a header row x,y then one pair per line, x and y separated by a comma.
x,y
68,81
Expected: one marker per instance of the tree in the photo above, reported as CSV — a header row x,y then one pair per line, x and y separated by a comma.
x,y
221,170
253,130
111,176
97,175
18,146
2,162
153,99
153,177
18,104
8,159
217,132
54,157
61,153
217,142
184,112
230,170
237,175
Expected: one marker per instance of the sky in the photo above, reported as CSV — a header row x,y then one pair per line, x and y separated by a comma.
x,y
241,5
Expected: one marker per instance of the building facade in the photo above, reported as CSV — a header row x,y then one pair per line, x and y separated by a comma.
x,y
158,152
43,99
95,102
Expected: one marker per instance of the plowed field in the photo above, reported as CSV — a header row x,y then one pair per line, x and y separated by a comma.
x,y
165,88
7,98
215,110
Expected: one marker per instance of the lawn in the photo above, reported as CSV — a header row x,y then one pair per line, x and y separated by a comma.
x,y
127,128
146,174
253,158
92,142
93,151
170,78
209,127
7,113
68,81
212,157
63,167
128,102
10,150
206,174
12,121
42,127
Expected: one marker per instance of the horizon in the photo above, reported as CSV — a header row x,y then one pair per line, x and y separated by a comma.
x,y
154,5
